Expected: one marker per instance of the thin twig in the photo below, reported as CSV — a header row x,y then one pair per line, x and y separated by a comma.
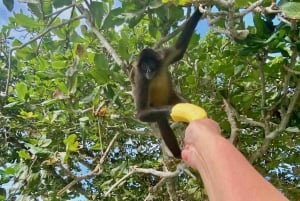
x,y
101,161
106,194
96,171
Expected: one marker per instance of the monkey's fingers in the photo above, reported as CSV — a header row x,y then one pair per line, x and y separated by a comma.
x,y
187,112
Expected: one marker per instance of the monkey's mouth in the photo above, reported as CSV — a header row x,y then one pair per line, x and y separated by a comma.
x,y
149,75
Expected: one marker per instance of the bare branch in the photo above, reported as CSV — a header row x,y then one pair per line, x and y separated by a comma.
x,y
230,116
284,20
101,161
106,194
152,171
155,188
251,122
135,169
261,151
58,12
97,170
291,70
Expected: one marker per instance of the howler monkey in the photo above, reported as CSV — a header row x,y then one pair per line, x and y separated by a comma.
x,y
154,94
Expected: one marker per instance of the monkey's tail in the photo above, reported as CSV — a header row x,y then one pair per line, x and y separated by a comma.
x,y
169,137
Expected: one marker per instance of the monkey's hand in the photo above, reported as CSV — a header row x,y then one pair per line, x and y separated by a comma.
x,y
187,112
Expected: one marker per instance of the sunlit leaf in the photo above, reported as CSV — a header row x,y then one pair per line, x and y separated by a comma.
x,y
28,114
26,21
24,154
21,90
71,143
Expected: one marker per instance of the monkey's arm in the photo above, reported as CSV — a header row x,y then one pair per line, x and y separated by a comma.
x,y
154,114
176,53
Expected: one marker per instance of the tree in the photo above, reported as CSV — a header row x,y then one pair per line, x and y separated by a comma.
x,y
67,118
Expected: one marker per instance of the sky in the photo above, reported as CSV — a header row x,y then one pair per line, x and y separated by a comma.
x,y
5,14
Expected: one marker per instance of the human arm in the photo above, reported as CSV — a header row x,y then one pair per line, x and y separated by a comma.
x,y
226,173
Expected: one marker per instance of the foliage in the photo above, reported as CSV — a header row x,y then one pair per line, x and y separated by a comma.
x,y
67,120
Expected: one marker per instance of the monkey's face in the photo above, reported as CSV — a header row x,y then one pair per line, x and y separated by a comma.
x,y
149,68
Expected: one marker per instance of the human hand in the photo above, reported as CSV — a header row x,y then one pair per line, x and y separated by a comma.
x,y
197,131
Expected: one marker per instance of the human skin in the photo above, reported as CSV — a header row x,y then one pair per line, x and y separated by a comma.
x,y
226,174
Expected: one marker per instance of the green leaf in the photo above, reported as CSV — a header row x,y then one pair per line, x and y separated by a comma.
x,y
290,9
113,19
10,170
101,61
2,194
21,90
26,53
61,3
44,142
9,4
36,9
71,143
26,21
27,114
100,71
59,65
89,98
47,7
36,150
97,147
24,154
49,74
98,11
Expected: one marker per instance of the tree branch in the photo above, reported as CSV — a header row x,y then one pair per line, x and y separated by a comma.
x,y
97,170
134,169
230,116
154,189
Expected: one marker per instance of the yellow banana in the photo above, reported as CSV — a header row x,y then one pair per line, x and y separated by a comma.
x,y
187,112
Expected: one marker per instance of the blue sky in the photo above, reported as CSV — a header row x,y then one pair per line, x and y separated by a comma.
x,y
5,14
